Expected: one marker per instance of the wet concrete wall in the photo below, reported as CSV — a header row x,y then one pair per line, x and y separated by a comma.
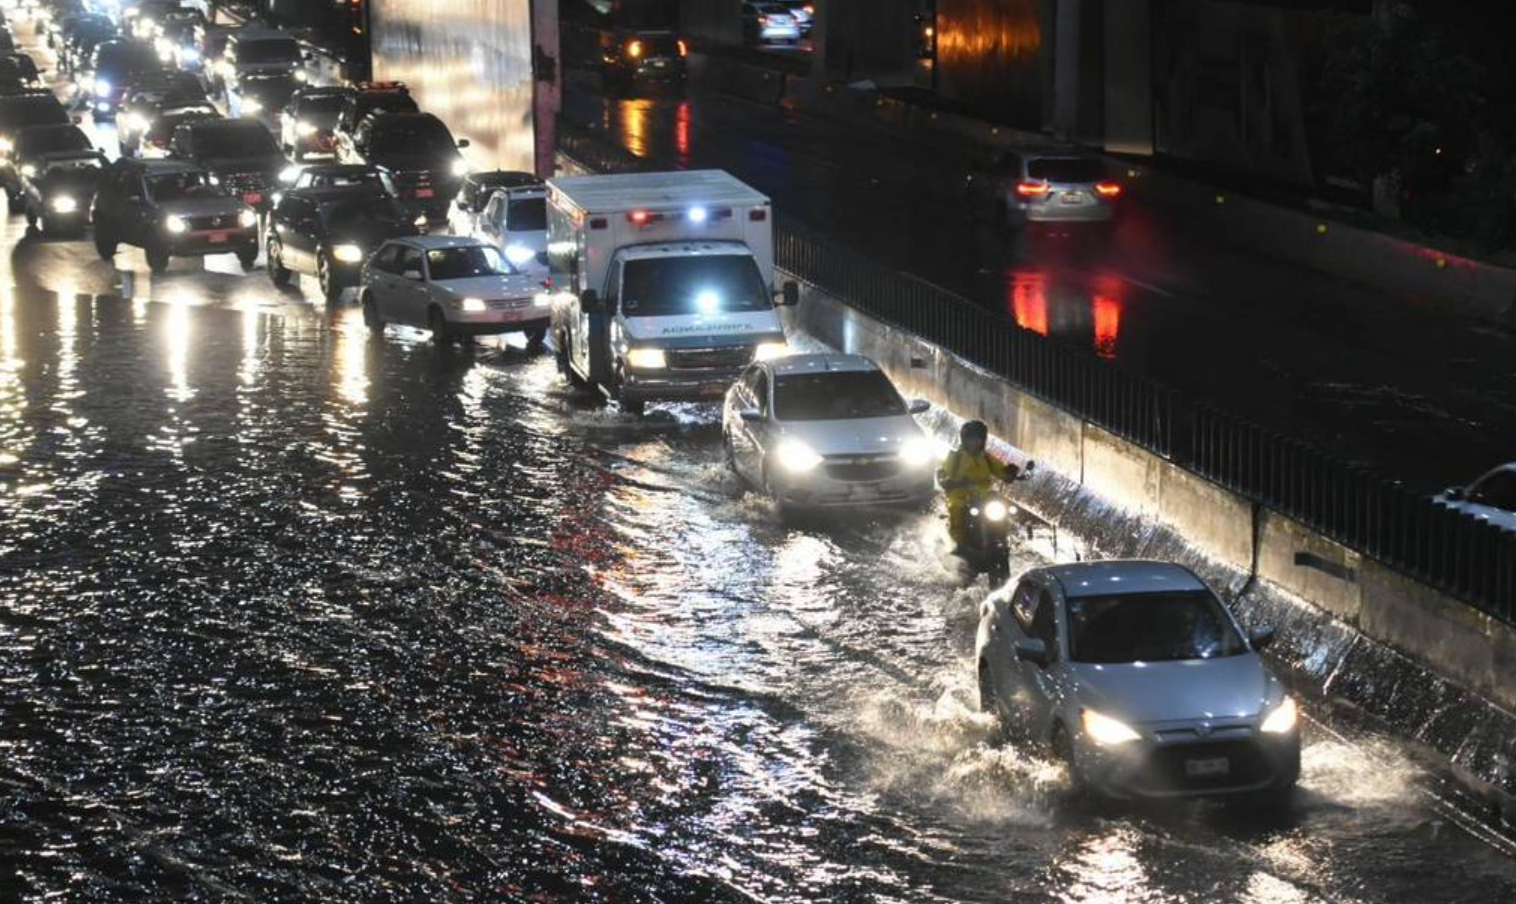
x,y
469,62
1424,664
992,54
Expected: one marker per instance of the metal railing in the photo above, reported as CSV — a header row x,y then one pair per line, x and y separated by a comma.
x,y
1452,551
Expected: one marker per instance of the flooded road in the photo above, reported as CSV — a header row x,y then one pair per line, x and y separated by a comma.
x,y
290,612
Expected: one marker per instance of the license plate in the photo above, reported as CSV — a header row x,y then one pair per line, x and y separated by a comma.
x,y
253,197
1207,768
424,192
218,238
1073,197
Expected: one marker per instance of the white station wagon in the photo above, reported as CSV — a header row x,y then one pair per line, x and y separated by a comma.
x,y
452,285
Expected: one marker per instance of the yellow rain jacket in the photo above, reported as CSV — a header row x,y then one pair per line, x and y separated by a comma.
x,y
981,471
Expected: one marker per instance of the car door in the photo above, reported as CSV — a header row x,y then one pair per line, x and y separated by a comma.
x,y
409,295
492,220
1007,628
757,434
282,222
302,235
381,275
745,398
138,216
1040,680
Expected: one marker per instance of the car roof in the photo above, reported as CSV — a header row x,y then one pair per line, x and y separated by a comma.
x,y
827,362
320,193
688,249
436,242
508,179
1080,579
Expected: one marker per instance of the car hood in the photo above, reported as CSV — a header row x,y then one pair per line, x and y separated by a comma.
x,y
411,162
1226,688
259,164
855,436
198,207
69,178
514,286
371,235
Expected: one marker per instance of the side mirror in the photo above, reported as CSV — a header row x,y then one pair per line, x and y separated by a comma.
x,y
1032,650
918,406
590,303
78,120
463,143
1261,637
790,293
1456,493
412,274
752,416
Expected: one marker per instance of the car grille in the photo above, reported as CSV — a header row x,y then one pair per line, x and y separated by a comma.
x,y
856,468
508,304
218,221
727,357
245,183
1247,766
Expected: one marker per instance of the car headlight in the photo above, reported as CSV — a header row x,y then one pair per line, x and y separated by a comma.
x,y
301,76
472,305
247,219
1107,732
6,146
917,451
420,221
87,84
175,223
251,105
995,510
28,170
305,129
189,55
795,455
519,255
63,204
767,351
542,300
460,167
102,88
352,254
134,122
289,174
1283,719
647,359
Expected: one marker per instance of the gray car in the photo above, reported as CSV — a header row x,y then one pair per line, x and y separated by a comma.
x,y
1048,186
1139,679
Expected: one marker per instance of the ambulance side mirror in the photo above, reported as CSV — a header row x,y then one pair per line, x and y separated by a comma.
x,y
789,295
590,303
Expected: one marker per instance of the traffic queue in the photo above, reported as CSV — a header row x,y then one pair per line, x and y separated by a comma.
x,y
649,288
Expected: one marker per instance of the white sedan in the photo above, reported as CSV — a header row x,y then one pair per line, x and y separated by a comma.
x,y
825,431
452,285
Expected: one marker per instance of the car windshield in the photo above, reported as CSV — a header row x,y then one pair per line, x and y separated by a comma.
x,y
526,215
120,59
396,102
836,396
321,105
235,139
347,213
274,91
345,178
1150,627
424,136
163,127
180,186
462,263
274,50
41,111
48,140
693,285
75,164
1066,169
659,45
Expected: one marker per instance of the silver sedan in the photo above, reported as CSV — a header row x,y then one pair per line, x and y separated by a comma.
x,y
1139,679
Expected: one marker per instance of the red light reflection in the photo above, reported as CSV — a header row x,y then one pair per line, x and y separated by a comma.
x,y
682,132
1107,325
1029,301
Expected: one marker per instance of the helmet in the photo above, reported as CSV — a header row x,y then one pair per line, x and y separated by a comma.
x,y
974,430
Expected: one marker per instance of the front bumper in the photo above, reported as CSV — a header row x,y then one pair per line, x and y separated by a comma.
x,y
851,484
676,385
1146,768
217,241
491,322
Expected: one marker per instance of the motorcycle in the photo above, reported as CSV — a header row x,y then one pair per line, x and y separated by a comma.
x,y
987,549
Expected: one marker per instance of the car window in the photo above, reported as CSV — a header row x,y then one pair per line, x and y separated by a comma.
x,y
761,392
527,215
705,284
410,259
1066,169
1151,627
1044,626
180,186
466,262
1024,603
1497,490
387,259
836,395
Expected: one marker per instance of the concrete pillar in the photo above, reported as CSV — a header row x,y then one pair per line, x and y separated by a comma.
x,y
1128,101
1078,85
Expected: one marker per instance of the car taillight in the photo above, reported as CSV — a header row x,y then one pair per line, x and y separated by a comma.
x,y
684,49
1028,189
634,49
765,20
1108,189
638,217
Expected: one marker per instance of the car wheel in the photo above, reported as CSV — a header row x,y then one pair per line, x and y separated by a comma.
x,y
331,289
14,202
774,495
157,257
436,321
560,342
988,702
535,340
1063,752
278,274
105,245
371,317
248,258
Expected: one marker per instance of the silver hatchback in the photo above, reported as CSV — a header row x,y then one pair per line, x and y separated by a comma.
x,y
1027,186
1139,679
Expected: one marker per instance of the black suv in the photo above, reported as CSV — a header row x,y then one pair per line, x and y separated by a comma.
x,y
18,111
114,65
370,98
241,153
420,153
171,209
629,60
18,74
330,232
308,125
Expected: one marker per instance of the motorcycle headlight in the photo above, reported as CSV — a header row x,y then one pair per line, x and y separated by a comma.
x,y
1107,732
767,351
102,88
247,219
251,105
995,510
1283,719
795,455
352,254
305,129
519,255
647,359
175,223
917,451
63,204
472,305
28,170
460,167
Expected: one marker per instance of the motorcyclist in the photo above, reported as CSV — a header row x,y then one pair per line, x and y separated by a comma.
x,y
967,473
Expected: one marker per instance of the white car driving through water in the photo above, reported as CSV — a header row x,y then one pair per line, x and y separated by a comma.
x,y
1139,679
452,285
826,430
